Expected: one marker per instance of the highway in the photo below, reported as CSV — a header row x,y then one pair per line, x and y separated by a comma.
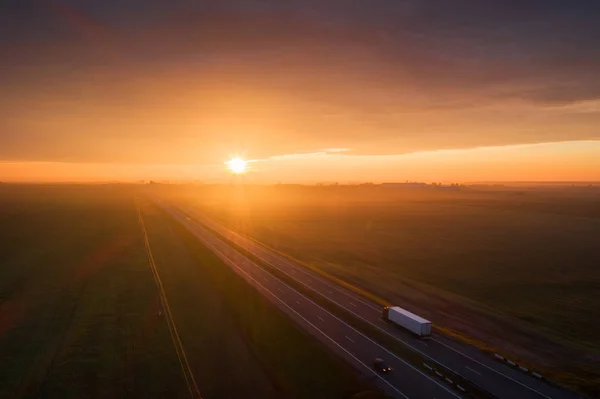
x,y
495,377
359,350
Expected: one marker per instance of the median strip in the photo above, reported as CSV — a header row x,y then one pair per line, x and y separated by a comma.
x,y
405,352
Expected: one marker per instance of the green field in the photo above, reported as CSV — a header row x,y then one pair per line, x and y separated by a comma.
x,y
514,268
80,314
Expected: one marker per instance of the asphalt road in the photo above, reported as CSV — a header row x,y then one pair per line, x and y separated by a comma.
x,y
405,381
496,377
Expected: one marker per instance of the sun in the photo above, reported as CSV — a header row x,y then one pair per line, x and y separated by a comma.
x,y
237,165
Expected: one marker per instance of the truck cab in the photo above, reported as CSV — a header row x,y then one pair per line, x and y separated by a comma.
x,y
385,313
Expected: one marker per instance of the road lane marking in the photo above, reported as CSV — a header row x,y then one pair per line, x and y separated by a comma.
x,y
187,372
349,339
492,369
333,316
397,338
312,325
320,318
302,269
256,246
298,302
423,343
279,289
476,372
351,304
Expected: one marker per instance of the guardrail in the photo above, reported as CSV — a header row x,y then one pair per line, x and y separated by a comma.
x,y
466,387
518,366
457,381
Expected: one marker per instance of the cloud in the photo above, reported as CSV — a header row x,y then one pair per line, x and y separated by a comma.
x,y
184,80
336,150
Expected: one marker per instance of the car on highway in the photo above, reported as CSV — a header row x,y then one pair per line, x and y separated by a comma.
x,y
380,366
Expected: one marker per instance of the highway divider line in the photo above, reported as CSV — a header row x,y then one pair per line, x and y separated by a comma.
x,y
256,245
180,351
338,289
493,369
354,314
265,289
331,314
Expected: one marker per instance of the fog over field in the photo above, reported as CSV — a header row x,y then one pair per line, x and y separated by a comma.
x,y
514,267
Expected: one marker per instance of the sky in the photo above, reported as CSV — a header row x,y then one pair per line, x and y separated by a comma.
x,y
337,90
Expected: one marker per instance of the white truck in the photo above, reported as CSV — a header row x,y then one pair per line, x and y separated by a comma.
x,y
410,321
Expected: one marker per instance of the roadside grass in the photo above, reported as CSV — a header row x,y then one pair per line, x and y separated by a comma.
x,y
298,365
77,298
513,274
80,315
582,381
222,362
383,339
520,268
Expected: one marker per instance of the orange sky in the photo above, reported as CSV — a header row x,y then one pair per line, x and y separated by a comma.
x,y
567,161
109,91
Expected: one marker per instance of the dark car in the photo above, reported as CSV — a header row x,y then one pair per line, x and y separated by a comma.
x,y
380,365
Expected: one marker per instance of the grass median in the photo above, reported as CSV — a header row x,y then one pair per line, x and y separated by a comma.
x,y
401,350
298,365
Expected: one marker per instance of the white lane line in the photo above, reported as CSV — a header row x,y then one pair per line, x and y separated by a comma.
x,y
320,318
221,242
240,239
330,314
257,246
350,327
298,302
492,369
279,289
476,372
351,304
409,345
423,343
349,339
350,310
262,248
309,323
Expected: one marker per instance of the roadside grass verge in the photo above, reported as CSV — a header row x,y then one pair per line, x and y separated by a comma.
x,y
76,299
221,362
300,365
383,339
352,287
579,379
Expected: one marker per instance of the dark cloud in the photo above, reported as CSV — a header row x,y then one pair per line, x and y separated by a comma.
x,y
367,60
435,42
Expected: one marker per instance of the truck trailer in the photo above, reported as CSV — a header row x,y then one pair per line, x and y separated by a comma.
x,y
410,321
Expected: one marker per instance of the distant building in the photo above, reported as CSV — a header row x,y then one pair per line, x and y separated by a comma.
x,y
404,185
